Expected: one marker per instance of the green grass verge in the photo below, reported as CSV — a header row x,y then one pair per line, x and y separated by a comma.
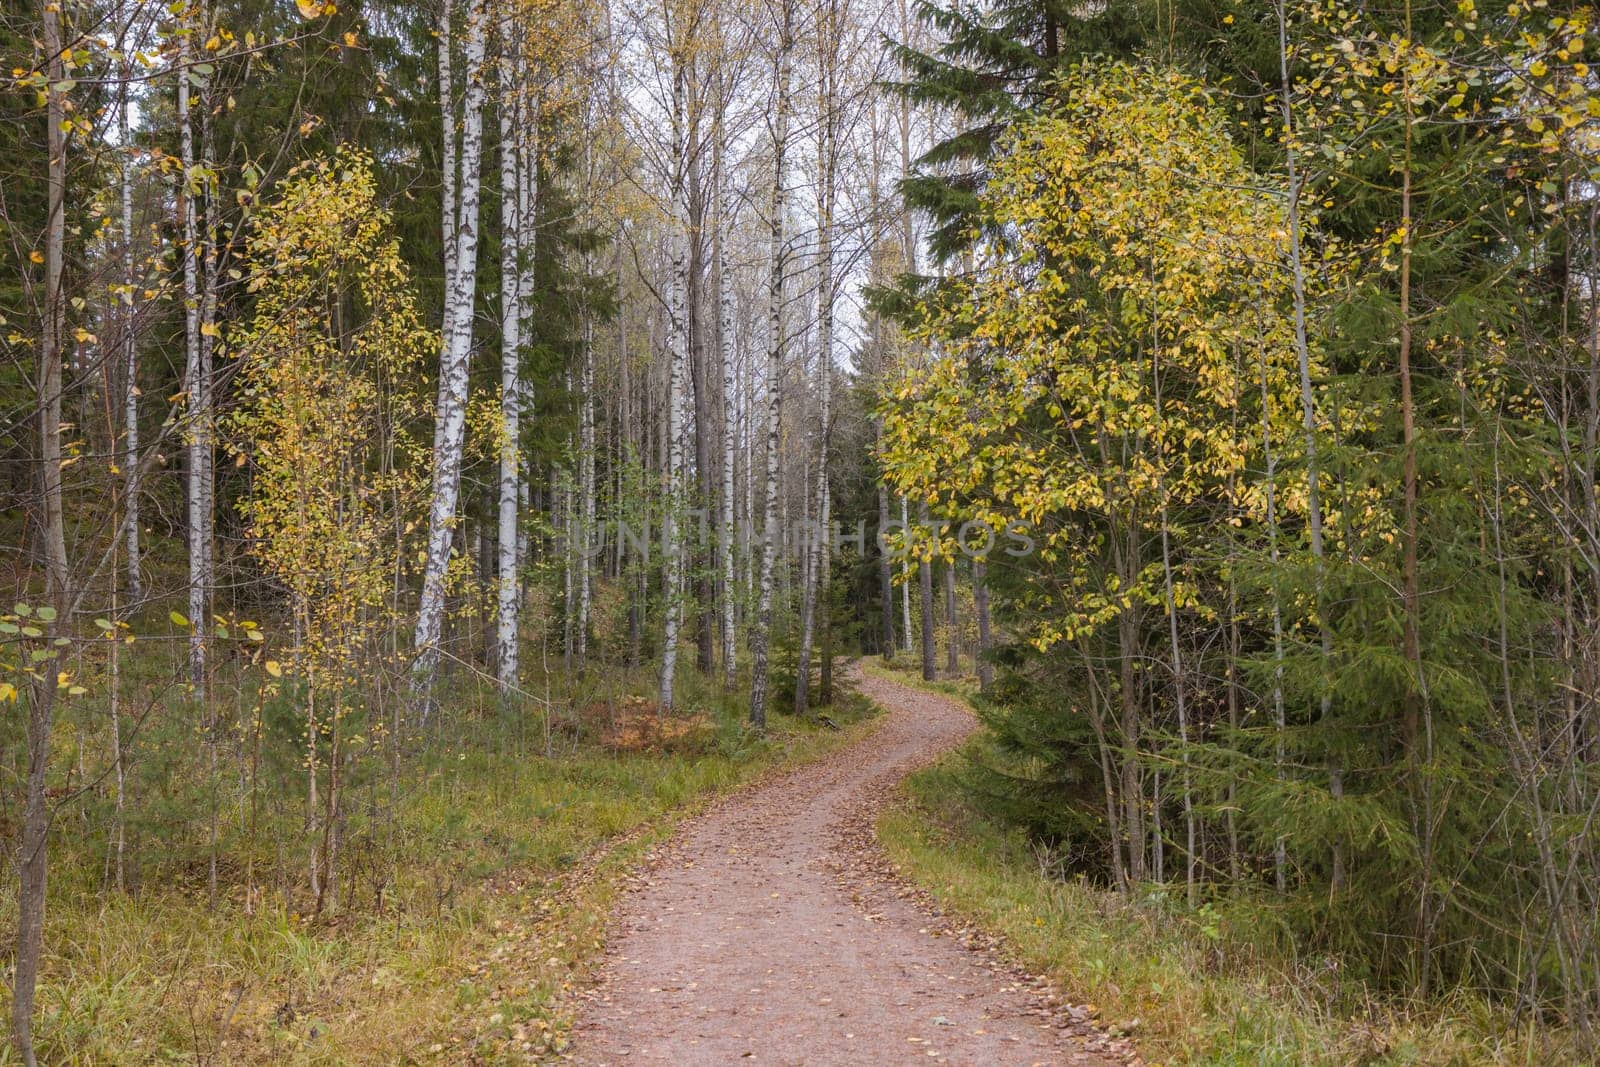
x,y
508,863
1212,986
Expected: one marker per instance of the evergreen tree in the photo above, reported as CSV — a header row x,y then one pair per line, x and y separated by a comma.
x,y
990,65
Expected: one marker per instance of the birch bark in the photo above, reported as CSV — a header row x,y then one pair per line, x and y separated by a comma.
x,y
130,350
819,542
193,369
451,412
724,296
511,312
677,382
761,631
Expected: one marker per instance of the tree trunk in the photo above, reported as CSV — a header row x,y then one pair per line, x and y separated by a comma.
x,y
1180,680
925,598
1419,749
1308,409
761,631
449,205
586,461
678,356
814,592
702,425
1128,655
885,569
586,492
953,652
130,351
905,587
507,600
725,328
193,373
451,411
33,857
980,607
528,115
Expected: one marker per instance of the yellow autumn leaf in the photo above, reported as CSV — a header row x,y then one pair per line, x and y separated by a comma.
x,y
273,668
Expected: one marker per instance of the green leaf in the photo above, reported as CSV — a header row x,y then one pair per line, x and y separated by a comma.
x,y
178,618
46,614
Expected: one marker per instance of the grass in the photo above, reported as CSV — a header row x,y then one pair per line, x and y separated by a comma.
x,y
464,935
1212,986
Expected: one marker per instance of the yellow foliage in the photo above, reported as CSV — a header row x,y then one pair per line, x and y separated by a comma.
x,y
327,392
1112,356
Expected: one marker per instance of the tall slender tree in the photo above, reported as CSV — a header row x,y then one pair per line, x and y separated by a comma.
x,y
777,344
450,411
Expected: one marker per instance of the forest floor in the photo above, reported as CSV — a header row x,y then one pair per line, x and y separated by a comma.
x,y
773,930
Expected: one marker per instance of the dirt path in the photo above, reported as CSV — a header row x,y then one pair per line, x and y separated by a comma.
x,y
766,934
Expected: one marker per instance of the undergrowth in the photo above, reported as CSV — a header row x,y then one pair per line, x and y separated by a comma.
x,y
1216,985
476,890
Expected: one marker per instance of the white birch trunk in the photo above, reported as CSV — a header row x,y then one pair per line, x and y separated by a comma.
x,y
210,281
677,381
194,389
817,548
586,450
449,169
130,361
450,431
527,214
1280,855
724,294
761,631
748,428
511,311
586,490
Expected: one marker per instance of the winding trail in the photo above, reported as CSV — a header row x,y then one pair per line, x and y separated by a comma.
x,y
769,932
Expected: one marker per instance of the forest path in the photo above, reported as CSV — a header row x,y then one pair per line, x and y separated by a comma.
x,y
769,931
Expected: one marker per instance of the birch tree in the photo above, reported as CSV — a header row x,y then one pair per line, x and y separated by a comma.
x,y
512,312
127,330
819,541
722,221
777,269
450,412
33,856
196,389
678,371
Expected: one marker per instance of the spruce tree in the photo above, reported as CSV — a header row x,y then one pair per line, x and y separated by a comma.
x,y
989,66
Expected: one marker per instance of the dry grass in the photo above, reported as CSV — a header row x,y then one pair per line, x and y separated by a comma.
x,y
493,897
1207,987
